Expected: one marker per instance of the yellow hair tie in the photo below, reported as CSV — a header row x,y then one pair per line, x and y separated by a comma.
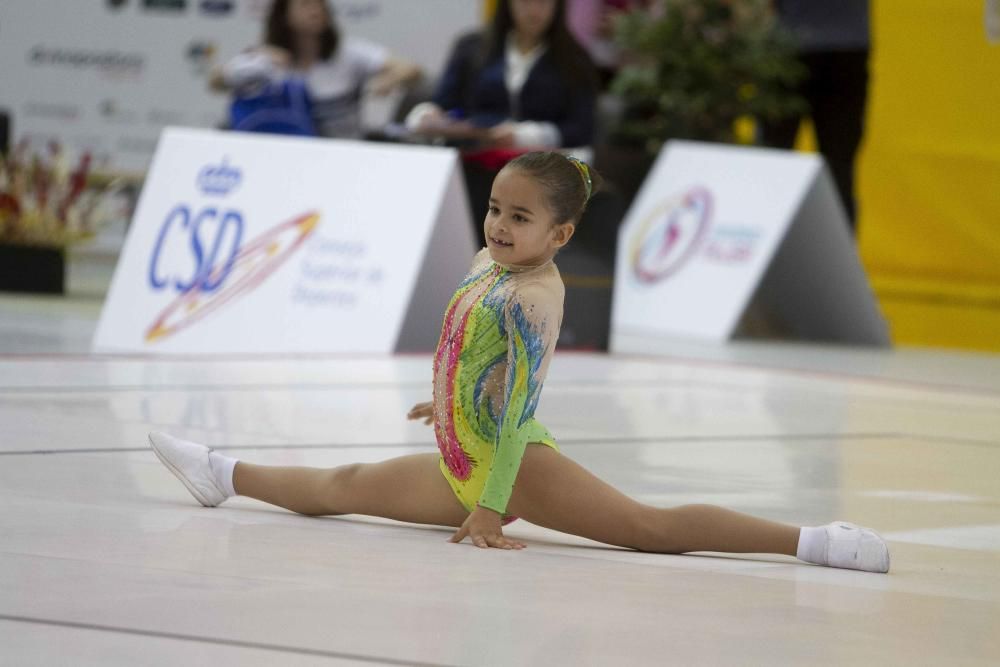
x,y
585,173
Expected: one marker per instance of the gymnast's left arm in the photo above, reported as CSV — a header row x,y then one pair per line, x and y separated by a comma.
x,y
532,319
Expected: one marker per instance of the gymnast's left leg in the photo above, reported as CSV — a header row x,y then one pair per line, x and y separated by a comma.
x,y
554,492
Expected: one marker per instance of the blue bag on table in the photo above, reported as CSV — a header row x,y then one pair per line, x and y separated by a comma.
x,y
277,107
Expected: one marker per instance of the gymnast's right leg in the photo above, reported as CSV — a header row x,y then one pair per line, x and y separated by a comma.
x,y
407,488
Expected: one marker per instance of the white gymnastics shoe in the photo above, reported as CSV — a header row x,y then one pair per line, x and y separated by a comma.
x,y
190,463
855,548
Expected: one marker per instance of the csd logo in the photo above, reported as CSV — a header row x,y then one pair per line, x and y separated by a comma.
x,y
250,265
670,235
212,236
201,253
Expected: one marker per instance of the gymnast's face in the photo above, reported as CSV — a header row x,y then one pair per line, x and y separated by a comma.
x,y
520,227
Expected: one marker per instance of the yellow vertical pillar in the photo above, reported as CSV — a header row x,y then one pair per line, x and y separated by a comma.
x,y
929,173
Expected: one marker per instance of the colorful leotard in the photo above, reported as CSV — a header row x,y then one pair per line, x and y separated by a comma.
x,y
496,343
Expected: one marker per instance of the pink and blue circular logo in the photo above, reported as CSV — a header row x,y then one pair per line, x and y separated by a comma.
x,y
670,235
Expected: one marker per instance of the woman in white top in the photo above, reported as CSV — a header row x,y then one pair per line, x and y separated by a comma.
x,y
302,38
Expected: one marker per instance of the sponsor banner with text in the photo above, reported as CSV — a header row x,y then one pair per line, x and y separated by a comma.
x,y
246,244
711,222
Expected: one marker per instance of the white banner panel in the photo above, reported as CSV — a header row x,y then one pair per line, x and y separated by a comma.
x,y
711,221
106,76
255,244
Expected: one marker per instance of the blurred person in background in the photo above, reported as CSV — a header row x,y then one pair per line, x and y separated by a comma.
x,y
834,42
991,19
592,23
523,82
302,40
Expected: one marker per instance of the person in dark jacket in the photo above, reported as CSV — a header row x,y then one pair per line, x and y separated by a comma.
x,y
524,82
833,41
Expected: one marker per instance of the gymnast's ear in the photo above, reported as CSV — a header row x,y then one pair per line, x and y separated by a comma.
x,y
562,233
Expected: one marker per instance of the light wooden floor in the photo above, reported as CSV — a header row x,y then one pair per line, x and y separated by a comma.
x,y
106,559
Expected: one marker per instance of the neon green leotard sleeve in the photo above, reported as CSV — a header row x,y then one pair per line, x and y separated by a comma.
x,y
531,319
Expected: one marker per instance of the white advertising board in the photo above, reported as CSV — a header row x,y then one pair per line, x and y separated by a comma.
x,y
247,244
724,240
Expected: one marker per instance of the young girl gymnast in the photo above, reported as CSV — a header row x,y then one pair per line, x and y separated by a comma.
x,y
496,462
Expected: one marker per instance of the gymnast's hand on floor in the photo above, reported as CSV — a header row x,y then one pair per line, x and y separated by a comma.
x,y
483,526
423,411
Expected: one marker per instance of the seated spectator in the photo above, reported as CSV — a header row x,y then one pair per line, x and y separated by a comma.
x,y
302,39
525,82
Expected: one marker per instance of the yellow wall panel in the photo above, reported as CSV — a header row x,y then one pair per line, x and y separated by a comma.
x,y
954,324
929,173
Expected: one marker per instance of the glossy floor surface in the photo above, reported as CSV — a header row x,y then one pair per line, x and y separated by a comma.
x,y
106,560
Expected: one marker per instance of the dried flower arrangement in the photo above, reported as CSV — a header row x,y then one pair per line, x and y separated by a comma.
x,y
44,202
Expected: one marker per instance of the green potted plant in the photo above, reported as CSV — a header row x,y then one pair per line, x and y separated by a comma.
x,y
695,68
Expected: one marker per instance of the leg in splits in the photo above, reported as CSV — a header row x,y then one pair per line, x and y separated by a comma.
x,y
554,492
408,488
551,491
